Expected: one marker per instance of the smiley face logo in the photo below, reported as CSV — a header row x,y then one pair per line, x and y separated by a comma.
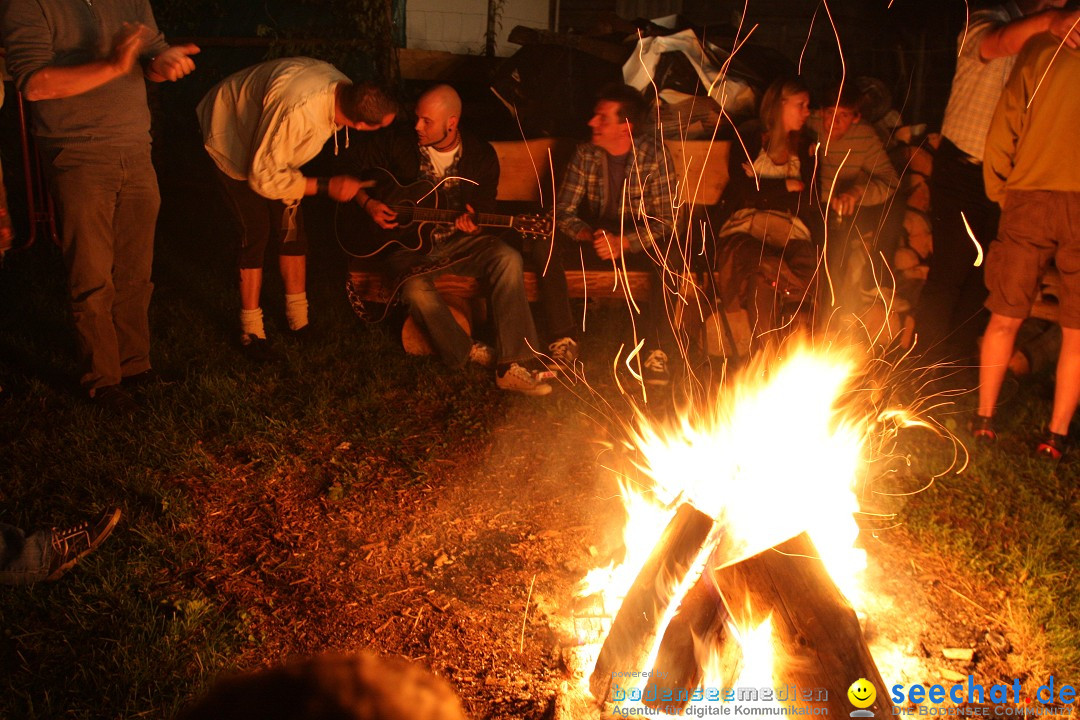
x,y
862,693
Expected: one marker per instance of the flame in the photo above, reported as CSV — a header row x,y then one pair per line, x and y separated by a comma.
x,y
772,458
776,454
758,655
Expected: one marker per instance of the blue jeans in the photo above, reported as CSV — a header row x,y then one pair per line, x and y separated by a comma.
x,y
107,199
499,267
23,559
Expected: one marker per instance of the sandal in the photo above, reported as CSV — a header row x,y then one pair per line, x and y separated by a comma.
x,y
982,428
1052,446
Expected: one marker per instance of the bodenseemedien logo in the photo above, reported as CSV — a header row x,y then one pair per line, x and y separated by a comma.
x,y
862,694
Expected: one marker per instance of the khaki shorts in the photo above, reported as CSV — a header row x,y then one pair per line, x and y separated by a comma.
x,y
1037,226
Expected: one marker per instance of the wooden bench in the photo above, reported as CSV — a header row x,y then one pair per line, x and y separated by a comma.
x,y
528,172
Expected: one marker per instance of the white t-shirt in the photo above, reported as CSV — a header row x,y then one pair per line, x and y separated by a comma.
x,y
441,160
768,169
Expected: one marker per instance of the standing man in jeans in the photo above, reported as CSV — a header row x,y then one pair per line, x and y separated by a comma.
x,y
950,315
82,66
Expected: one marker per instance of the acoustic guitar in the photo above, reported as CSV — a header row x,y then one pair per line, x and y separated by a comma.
x,y
420,207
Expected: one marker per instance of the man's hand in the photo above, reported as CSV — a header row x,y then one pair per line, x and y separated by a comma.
x,y
794,185
343,188
608,245
845,203
466,223
128,44
1065,25
172,64
381,213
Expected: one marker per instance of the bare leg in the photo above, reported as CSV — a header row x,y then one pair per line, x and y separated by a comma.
x,y
293,273
1067,392
997,350
250,287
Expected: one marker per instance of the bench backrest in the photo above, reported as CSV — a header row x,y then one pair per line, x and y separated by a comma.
x,y
702,169
526,169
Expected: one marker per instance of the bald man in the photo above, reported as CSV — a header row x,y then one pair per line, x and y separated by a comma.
x,y
466,171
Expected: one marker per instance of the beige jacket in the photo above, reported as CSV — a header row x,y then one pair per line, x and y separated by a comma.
x,y
261,124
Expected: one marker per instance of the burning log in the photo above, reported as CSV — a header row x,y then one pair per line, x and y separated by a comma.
x,y
702,619
814,626
637,623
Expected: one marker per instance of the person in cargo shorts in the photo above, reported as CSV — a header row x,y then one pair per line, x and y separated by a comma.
x,y
1030,170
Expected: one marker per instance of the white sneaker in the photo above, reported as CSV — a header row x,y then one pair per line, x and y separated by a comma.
x,y
483,355
522,380
564,351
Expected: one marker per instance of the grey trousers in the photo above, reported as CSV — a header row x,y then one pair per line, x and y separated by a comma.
x,y
107,200
23,559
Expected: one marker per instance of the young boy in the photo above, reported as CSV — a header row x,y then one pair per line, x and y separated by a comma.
x,y
857,181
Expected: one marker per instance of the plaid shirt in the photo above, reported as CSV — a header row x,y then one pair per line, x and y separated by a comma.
x,y
649,209
977,84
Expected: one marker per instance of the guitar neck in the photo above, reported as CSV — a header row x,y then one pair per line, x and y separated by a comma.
x,y
436,215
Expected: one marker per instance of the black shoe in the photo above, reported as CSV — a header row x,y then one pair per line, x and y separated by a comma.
x,y
69,545
310,333
142,381
114,399
257,349
1052,446
982,428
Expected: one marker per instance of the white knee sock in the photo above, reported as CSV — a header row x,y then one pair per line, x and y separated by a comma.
x,y
296,310
251,322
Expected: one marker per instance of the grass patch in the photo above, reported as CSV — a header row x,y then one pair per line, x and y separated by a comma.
x,y
1008,524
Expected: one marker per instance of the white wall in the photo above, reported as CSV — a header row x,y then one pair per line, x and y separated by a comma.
x,y
458,26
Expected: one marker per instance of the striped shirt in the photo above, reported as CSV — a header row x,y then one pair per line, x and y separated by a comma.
x,y
977,83
859,158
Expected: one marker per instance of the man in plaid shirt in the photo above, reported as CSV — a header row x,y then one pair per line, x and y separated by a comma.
x,y
616,197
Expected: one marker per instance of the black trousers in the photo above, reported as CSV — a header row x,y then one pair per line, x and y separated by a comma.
x,y
950,316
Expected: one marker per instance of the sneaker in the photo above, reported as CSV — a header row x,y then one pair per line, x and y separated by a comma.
x,y
256,349
517,378
69,545
366,310
114,399
564,351
483,355
1052,446
655,371
982,428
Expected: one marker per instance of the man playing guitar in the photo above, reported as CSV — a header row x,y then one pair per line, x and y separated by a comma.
x,y
464,171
